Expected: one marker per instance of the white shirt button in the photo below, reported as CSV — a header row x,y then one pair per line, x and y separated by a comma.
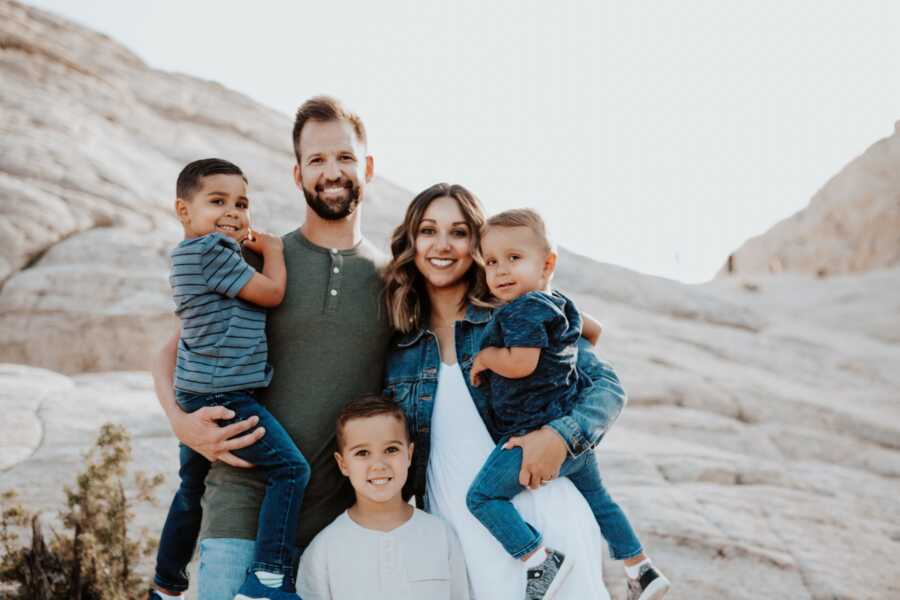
x,y
336,270
334,292
334,250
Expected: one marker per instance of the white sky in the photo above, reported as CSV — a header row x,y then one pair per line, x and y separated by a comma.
x,y
657,136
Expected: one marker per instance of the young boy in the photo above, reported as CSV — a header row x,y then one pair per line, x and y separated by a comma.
x,y
222,359
530,350
381,548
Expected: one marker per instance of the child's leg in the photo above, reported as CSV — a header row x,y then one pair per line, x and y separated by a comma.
x,y
179,534
489,500
287,474
584,472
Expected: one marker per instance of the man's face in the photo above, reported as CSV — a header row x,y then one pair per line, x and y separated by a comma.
x,y
333,168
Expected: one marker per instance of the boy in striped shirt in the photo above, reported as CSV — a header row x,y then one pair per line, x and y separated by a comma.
x,y
222,359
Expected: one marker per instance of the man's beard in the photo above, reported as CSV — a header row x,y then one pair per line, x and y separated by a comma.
x,y
335,209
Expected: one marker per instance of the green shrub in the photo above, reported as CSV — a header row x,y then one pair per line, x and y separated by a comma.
x,y
93,558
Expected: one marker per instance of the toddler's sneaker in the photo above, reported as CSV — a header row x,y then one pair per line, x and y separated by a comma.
x,y
650,584
252,589
544,580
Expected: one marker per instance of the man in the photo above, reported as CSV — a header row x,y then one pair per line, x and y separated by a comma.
x,y
327,343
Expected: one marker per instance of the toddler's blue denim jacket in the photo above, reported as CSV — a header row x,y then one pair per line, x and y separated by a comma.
x,y
411,379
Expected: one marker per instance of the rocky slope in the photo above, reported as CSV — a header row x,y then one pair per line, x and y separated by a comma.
x,y
851,225
759,456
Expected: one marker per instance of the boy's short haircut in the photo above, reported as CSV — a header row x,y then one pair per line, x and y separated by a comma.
x,y
190,176
370,405
325,109
521,217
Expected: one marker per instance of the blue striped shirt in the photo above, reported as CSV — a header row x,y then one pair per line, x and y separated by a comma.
x,y
223,339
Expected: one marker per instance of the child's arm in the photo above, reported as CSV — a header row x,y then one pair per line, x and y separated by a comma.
x,y
512,363
591,328
459,578
266,289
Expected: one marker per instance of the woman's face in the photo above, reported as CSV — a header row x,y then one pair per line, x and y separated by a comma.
x,y
443,244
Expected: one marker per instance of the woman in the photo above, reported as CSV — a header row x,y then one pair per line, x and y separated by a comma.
x,y
435,299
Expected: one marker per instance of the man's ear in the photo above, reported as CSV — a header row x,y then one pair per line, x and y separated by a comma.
x,y
549,265
298,177
341,465
182,212
370,168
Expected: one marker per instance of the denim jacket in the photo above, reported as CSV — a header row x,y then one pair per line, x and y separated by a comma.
x,y
412,376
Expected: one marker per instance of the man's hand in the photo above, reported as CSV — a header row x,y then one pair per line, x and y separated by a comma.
x,y
543,453
200,432
261,242
478,367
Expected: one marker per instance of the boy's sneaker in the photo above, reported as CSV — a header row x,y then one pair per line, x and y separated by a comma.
x,y
650,584
544,580
153,595
252,589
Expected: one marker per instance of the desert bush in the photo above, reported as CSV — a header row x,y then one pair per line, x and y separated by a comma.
x,y
93,557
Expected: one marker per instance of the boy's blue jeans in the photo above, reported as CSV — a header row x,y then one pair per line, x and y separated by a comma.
x,y
490,495
287,474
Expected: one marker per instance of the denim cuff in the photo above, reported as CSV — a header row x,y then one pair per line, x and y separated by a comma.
x,y
568,429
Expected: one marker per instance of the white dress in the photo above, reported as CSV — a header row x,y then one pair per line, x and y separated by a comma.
x,y
460,443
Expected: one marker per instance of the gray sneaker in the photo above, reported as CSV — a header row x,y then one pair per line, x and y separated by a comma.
x,y
544,580
649,585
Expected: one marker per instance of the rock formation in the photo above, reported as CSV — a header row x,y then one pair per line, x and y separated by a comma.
x,y
851,225
759,456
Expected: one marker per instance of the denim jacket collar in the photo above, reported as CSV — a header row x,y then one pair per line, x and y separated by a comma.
x,y
474,314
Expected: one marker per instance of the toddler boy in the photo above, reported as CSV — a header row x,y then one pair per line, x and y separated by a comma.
x,y
381,548
222,359
530,348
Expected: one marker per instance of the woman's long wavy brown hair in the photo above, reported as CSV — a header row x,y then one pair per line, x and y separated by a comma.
x,y
405,295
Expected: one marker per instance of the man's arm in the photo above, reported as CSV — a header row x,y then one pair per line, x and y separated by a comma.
x,y
512,363
595,410
198,430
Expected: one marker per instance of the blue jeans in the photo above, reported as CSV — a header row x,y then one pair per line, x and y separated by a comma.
x,y
490,495
224,563
287,474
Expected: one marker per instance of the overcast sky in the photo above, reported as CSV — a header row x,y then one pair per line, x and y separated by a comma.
x,y
656,136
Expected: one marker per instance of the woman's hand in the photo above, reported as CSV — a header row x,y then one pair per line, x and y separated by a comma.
x,y
200,432
543,453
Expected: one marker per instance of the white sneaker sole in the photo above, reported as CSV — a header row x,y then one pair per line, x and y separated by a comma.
x,y
656,590
243,597
560,578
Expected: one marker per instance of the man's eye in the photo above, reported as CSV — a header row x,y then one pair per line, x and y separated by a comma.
x,y
315,161
348,157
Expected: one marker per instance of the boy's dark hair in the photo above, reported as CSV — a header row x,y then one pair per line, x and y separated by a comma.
x,y
325,109
189,178
370,405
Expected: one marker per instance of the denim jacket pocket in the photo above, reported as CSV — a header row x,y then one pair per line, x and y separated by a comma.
x,y
403,394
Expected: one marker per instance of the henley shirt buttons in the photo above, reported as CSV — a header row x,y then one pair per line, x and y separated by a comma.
x,y
336,270
334,251
334,292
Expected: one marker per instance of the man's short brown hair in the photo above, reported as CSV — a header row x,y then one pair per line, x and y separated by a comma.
x,y
370,405
324,109
521,217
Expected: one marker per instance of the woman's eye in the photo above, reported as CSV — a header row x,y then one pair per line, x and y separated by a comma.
x,y
460,233
426,231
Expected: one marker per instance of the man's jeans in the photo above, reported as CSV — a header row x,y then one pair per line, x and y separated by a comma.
x,y
498,482
223,566
287,473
